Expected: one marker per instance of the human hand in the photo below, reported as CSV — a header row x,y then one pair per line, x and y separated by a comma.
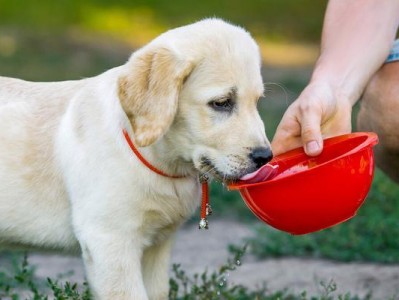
x,y
319,112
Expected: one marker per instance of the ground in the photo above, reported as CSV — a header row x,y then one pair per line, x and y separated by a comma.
x,y
196,250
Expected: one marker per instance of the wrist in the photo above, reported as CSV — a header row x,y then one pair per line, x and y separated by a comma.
x,y
339,86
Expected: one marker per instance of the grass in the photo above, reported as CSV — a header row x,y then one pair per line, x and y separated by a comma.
x,y
215,285
21,283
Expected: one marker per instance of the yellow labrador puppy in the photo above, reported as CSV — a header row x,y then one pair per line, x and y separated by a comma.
x,y
70,182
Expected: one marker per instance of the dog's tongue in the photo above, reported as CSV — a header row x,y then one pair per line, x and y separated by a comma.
x,y
266,172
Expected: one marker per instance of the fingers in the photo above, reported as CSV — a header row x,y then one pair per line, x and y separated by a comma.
x,y
299,127
310,130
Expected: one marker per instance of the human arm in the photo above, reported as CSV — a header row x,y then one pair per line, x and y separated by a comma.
x,y
356,39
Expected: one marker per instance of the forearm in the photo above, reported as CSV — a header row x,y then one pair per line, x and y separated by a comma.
x,y
357,36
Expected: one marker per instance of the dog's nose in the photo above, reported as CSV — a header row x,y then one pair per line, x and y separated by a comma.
x,y
261,156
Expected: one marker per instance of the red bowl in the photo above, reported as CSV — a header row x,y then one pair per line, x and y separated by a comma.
x,y
313,193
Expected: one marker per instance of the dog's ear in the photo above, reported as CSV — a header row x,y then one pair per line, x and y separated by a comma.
x,y
149,91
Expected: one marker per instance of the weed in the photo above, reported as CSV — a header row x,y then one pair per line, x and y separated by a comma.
x,y
216,286
21,283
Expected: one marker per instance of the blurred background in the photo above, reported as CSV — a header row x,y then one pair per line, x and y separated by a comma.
x,y
52,40
64,31
69,39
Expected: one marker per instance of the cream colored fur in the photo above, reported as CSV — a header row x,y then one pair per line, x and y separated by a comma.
x,y
69,182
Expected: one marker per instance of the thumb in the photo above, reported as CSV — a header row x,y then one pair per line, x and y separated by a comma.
x,y
311,132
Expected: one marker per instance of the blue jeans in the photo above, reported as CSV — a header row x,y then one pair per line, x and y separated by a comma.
x,y
394,54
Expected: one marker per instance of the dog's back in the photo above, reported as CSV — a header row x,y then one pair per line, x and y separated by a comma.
x,y
30,181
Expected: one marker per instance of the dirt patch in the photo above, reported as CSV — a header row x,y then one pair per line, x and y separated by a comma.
x,y
196,250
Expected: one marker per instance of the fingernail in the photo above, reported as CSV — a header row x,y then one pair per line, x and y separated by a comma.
x,y
312,147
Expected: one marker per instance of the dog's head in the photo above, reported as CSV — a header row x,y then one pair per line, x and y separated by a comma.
x,y
198,86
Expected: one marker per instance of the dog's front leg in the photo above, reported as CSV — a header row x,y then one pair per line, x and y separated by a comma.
x,y
113,263
155,270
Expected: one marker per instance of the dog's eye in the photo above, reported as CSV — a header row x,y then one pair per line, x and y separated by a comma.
x,y
222,105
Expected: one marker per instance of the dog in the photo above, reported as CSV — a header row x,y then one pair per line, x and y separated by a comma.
x,y
70,182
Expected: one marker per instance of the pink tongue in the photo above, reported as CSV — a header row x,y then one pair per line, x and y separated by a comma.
x,y
266,172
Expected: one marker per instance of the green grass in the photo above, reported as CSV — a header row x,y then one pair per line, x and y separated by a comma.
x,y
19,282
370,236
215,285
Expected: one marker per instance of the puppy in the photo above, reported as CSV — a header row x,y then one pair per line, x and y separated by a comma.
x,y
70,182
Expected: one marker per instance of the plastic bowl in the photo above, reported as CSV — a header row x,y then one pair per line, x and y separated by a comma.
x,y
313,193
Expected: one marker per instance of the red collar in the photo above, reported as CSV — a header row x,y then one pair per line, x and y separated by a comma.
x,y
205,207
143,160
